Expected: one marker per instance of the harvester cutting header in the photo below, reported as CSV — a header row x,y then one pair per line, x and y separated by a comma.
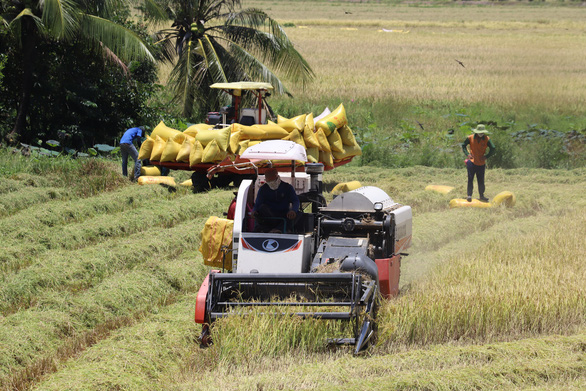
x,y
212,150
335,263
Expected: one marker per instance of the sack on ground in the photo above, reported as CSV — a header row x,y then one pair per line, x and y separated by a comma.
x,y
156,180
150,171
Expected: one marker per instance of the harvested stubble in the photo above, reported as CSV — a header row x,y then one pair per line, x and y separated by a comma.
x,y
24,198
78,270
140,357
29,244
60,322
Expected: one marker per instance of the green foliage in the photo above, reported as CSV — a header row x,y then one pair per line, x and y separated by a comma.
x,y
401,135
67,74
211,42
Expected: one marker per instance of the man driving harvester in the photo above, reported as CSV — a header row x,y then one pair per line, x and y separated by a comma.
x,y
476,161
276,205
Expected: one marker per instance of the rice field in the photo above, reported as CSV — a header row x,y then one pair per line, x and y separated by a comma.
x,y
98,292
98,276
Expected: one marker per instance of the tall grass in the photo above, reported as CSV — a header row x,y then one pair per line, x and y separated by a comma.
x,y
521,285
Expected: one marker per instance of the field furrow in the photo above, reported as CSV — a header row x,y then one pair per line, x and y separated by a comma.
x,y
153,350
59,272
20,200
30,245
59,213
53,330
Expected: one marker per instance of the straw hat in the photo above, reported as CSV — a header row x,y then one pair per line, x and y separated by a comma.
x,y
480,129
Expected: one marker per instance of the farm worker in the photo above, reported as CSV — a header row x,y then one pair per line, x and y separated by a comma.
x,y
275,203
476,161
127,148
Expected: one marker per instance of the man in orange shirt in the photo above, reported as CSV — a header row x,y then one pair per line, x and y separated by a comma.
x,y
476,162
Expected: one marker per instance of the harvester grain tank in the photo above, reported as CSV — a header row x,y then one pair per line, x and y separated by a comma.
x,y
336,264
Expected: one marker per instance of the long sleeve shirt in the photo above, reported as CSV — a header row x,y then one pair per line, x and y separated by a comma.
x,y
280,201
130,135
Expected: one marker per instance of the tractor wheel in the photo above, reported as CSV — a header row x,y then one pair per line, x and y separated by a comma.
x,y
221,181
200,182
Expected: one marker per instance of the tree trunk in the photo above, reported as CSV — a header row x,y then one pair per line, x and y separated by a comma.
x,y
28,58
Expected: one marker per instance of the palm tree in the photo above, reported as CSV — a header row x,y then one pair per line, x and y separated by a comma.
x,y
32,22
216,41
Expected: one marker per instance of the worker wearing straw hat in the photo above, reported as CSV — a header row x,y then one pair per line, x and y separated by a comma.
x,y
477,142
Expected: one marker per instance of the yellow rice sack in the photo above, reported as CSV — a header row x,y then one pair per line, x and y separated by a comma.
x,y
336,119
347,135
324,145
504,198
295,136
442,189
348,152
155,180
295,123
150,171
309,123
221,136
164,131
346,186
213,153
170,151
179,138
335,141
234,142
193,129
310,139
216,233
242,145
313,154
326,158
196,153
462,203
185,151
146,148
249,132
272,131
158,148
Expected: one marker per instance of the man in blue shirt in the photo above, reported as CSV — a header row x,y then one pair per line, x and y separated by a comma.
x,y
127,148
275,204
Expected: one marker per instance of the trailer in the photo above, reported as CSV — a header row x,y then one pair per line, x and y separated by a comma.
x,y
233,171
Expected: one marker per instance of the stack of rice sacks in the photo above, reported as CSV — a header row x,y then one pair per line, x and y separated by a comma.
x,y
327,140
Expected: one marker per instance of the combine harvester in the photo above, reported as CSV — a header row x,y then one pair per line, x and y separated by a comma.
x,y
342,260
